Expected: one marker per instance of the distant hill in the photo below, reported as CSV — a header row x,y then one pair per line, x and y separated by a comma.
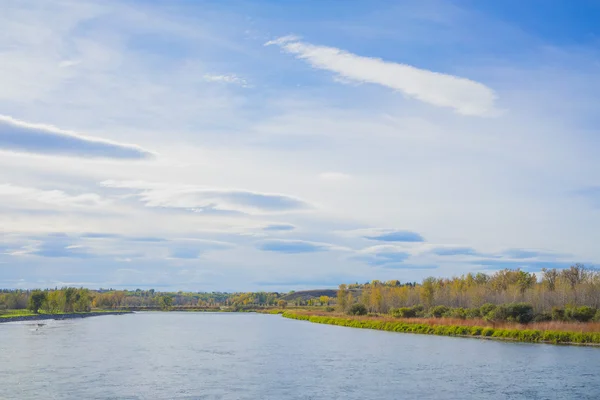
x,y
309,294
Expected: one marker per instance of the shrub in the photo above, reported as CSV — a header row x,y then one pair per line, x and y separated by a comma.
x,y
472,313
330,309
487,332
597,316
438,311
520,312
558,314
542,317
358,309
516,312
407,312
458,312
580,314
485,309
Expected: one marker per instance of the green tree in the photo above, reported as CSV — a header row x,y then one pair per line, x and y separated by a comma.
x,y
165,302
36,300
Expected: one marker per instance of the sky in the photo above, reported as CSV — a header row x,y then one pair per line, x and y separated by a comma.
x,y
268,145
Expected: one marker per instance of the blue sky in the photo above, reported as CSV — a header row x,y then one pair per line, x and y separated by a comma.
x,y
288,145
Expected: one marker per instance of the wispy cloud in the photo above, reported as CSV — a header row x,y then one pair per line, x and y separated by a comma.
x,y
384,235
194,248
27,137
382,255
18,194
199,199
226,78
528,265
463,95
528,253
454,251
279,227
57,245
395,236
293,246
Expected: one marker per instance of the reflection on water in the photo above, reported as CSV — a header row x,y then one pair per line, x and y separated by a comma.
x,y
251,356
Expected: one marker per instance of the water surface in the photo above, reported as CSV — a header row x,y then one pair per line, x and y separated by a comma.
x,y
252,356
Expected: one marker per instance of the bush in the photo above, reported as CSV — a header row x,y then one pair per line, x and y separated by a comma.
x,y
358,309
485,309
458,312
580,314
438,311
472,313
407,312
558,314
520,312
597,316
516,312
542,317
329,309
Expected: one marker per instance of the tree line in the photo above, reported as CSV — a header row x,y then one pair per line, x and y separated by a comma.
x,y
513,295
80,300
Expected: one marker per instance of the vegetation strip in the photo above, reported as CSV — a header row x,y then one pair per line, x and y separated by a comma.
x,y
521,335
38,317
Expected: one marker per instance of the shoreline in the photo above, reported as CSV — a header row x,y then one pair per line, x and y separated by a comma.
x,y
473,332
41,317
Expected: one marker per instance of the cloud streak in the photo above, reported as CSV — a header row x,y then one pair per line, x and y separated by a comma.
x,y
382,255
199,199
20,136
465,96
293,246
396,236
18,194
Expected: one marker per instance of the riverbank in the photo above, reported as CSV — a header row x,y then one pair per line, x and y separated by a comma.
x,y
39,317
481,332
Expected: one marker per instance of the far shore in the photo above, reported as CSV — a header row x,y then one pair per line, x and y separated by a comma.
x,y
39,317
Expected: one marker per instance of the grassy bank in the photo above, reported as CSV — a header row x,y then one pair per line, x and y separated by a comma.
x,y
24,315
487,332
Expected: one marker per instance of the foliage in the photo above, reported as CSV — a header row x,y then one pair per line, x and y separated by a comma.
x,y
36,300
407,312
580,314
438,311
477,295
282,304
522,335
165,302
358,309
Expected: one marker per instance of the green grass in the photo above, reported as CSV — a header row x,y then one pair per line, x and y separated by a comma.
x,y
520,335
15,313
27,313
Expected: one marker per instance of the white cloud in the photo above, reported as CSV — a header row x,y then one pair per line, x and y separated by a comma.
x,y
19,194
69,63
28,137
201,199
465,96
230,78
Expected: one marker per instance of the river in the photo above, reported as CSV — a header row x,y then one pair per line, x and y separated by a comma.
x,y
253,356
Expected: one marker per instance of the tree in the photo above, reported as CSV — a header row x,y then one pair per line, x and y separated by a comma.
x,y
358,309
165,302
549,276
342,297
282,304
324,300
36,300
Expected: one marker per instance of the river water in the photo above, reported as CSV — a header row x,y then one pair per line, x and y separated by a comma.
x,y
252,356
